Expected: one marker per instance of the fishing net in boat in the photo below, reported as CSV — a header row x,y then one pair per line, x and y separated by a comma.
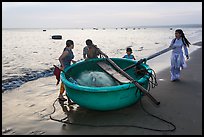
x,y
95,79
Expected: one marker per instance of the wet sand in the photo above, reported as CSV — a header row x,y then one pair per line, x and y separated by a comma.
x,y
26,110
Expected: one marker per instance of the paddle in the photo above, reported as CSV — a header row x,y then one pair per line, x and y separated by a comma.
x,y
148,58
133,81
138,63
142,89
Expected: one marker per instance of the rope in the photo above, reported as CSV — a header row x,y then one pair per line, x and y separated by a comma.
x,y
174,127
54,109
112,125
152,81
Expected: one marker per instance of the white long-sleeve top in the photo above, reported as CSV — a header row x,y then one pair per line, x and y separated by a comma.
x,y
179,44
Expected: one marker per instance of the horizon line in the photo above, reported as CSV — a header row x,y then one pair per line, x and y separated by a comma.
x,y
137,26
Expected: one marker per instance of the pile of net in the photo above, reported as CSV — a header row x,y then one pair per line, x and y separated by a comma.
x,y
95,79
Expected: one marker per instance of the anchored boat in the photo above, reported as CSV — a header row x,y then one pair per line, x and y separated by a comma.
x,y
56,36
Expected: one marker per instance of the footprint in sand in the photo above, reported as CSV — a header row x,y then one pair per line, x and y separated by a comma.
x,y
37,132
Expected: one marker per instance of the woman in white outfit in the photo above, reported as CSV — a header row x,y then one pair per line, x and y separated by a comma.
x,y
177,57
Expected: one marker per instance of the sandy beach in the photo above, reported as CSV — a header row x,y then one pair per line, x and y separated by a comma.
x,y
25,110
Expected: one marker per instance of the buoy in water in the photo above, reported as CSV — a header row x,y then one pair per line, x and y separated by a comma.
x,y
57,37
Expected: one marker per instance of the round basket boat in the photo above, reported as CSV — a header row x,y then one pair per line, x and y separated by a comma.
x,y
103,98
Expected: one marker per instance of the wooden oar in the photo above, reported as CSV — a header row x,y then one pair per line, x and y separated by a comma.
x,y
148,58
113,73
133,81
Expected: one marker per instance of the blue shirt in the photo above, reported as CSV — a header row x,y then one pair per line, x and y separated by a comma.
x,y
128,57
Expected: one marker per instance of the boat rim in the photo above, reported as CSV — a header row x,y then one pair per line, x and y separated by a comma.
x,y
101,89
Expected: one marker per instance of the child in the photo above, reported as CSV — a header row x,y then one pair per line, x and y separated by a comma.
x,y
129,52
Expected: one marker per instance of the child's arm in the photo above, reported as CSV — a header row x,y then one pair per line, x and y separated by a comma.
x,y
73,61
134,57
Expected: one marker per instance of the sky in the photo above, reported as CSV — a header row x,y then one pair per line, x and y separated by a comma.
x,y
98,14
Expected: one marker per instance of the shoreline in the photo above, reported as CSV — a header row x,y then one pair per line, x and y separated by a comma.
x,y
13,83
25,109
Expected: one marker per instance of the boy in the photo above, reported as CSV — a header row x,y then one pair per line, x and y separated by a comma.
x,y
129,52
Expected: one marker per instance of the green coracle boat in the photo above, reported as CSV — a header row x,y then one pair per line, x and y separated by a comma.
x,y
104,98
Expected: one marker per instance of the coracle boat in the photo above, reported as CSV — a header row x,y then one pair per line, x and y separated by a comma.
x,y
112,97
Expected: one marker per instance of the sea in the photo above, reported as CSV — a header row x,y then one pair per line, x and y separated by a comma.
x,y
29,54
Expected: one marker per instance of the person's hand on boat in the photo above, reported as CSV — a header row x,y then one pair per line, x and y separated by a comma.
x,y
187,57
86,58
106,56
73,61
62,67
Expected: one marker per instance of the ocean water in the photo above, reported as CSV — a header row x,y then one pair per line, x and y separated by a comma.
x,y
28,54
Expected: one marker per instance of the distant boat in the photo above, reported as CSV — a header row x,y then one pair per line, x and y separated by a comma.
x,y
82,29
171,28
103,28
133,28
57,37
126,28
140,49
44,30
